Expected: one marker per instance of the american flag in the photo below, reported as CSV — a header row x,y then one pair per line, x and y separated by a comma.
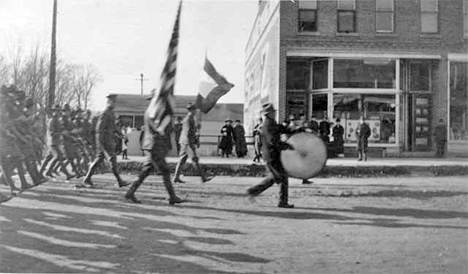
x,y
163,103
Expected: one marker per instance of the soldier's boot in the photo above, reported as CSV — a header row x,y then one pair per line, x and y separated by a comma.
x,y
130,195
365,156
201,172
284,196
33,172
45,163
173,199
177,171
76,169
8,180
21,172
91,170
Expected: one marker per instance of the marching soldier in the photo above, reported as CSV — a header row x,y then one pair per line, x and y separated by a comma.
x,y
105,142
188,139
273,143
155,148
54,132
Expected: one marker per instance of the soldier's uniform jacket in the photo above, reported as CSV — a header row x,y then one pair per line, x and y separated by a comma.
x,y
106,130
188,135
152,140
363,131
54,131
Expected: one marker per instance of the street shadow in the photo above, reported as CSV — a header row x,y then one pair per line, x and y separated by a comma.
x,y
391,223
350,193
401,212
95,234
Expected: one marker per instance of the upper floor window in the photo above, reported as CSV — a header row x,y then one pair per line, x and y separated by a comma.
x,y
429,16
308,15
465,18
346,16
384,15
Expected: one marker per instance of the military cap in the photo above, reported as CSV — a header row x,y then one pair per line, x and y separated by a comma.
x,y
228,120
267,108
111,96
237,121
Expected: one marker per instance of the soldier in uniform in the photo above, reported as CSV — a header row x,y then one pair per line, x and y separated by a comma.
x,y
105,142
188,139
155,148
54,132
313,125
177,131
273,143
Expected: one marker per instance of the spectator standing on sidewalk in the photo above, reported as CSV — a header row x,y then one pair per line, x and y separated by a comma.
x,y
362,135
338,142
239,139
257,135
226,139
440,138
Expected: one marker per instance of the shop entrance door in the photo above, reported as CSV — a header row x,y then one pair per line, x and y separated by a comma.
x,y
419,122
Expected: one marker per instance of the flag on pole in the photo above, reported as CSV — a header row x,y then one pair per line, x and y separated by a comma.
x,y
163,103
213,92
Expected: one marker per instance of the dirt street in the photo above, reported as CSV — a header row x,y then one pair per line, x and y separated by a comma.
x,y
368,225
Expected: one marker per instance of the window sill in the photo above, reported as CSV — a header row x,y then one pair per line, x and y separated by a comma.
x,y
430,35
386,34
309,33
353,34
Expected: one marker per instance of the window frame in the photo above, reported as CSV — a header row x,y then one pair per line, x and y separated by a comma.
x,y
340,10
309,10
384,11
436,12
465,18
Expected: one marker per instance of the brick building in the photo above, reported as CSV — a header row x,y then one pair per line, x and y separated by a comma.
x,y
401,64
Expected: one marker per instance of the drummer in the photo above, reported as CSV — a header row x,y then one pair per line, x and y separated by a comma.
x,y
272,146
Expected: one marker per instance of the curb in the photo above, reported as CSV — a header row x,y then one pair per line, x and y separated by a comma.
x,y
259,170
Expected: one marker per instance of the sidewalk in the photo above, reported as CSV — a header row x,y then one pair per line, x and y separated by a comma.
x,y
340,167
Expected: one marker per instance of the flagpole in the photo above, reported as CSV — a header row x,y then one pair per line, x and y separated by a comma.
x,y
53,59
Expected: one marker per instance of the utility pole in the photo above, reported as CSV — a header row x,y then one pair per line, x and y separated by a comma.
x,y
141,80
53,59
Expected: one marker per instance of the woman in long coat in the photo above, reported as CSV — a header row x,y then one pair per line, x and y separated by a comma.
x,y
338,142
257,134
226,139
239,139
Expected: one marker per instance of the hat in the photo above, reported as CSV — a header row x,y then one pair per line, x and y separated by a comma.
x,y
191,106
237,121
78,110
338,120
228,120
111,96
267,108
66,107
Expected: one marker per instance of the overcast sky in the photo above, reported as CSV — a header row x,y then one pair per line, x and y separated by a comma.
x,y
123,38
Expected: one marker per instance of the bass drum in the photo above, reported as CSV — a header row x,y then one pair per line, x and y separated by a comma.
x,y
308,157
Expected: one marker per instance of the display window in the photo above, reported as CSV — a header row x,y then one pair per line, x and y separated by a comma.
x,y
368,74
458,128
379,110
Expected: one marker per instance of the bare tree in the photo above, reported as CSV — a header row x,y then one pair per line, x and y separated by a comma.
x,y
4,71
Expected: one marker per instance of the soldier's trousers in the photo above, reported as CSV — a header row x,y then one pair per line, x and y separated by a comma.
x,y
276,175
155,160
99,159
183,155
57,158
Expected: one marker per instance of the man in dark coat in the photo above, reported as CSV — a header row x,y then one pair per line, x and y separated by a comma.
x,y
273,143
338,142
226,138
177,131
362,134
324,128
440,138
257,135
238,134
188,139
155,148
106,129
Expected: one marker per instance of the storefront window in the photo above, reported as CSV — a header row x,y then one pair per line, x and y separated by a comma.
x,y
356,73
379,110
320,74
298,74
139,122
319,105
126,120
458,101
420,73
